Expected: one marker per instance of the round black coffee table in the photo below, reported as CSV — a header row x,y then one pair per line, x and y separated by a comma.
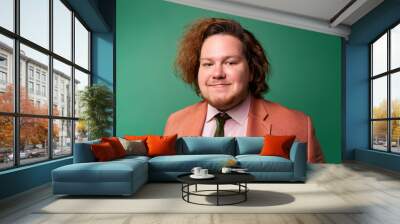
x,y
238,179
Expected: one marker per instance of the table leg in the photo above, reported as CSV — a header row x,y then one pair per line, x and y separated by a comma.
x,y
182,190
188,194
217,194
245,191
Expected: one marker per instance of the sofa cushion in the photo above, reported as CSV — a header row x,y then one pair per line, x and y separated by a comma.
x,y
131,158
206,145
257,163
277,146
111,171
83,152
185,163
249,145
161,145
103,151
134,147
116,145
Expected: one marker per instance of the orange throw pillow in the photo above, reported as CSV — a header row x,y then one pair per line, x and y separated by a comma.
x,y
161,145
116,145
103,151
277,146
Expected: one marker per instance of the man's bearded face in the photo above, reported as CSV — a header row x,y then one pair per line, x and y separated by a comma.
x,y
224,74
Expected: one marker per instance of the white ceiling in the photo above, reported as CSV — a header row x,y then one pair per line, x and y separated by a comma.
x,y
326,16
319,9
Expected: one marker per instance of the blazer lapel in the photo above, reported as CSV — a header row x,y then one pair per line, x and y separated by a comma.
x,y
195,121
257,124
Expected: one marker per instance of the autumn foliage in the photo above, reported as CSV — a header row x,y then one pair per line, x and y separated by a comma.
x,y
33,131
380,127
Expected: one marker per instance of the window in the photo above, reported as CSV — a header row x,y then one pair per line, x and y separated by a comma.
x,y
81,45
55,126
38,72
385,91
7,71
43,90
7,14
3,72
3,61
30,72
34,21
3,78
38,89
30,87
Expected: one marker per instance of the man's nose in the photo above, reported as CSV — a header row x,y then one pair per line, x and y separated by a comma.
x,y
218,72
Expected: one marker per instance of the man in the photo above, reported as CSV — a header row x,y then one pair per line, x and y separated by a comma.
x,y
227,67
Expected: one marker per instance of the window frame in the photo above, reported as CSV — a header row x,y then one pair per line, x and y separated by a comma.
x,y
388,74
16,115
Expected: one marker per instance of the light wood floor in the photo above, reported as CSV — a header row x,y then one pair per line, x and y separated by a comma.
x,y
377,188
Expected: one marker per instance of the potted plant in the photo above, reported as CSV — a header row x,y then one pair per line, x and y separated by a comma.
x,y
97,104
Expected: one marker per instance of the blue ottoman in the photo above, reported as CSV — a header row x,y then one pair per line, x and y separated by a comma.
x,y
118,177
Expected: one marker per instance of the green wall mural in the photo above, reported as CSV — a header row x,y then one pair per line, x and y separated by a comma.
x,y
305,69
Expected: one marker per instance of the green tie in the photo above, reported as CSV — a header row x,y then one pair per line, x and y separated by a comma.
x,y
221,118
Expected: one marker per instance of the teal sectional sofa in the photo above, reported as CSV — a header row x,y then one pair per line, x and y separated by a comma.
x,y
125,176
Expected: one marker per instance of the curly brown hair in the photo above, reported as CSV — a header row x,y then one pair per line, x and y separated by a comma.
x,y
188,56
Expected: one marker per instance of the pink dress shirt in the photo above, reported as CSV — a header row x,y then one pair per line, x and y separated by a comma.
x,y
236,126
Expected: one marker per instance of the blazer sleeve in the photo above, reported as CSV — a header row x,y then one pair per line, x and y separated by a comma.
x,y
169,126
314,150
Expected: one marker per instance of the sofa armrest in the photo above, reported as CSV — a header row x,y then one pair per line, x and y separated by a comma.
x,y
83,152
298,154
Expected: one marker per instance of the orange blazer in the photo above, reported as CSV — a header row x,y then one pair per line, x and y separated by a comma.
x,y
265,117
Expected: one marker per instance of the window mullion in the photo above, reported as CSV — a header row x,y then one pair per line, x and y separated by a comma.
x,y
16,69
50,87
389,101
371,139
73,82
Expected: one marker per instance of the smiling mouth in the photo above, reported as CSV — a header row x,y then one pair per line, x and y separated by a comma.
x,y
219,85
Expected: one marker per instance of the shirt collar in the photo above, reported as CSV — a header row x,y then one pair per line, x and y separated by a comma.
x,y
238,113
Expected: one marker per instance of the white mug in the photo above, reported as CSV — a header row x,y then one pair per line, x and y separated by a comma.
x,y
226,170
196,170
203,172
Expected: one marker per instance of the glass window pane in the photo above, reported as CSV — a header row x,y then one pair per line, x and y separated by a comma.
x,y
81,45
33,140
395,47
34,97
6,142
395,94
395,136
62,29
7,14
379,135
379,55
6,74
81,81
379,100
81,131
62,138
62,89
35,21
